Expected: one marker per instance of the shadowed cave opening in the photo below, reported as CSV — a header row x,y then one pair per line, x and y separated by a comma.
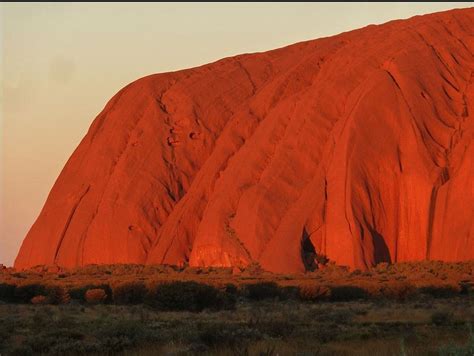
x,y
309,255
381,251
311,258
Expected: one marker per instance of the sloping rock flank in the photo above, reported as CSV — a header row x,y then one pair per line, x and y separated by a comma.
x,y
358,147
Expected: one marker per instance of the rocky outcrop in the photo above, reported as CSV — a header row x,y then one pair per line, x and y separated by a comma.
x,y
357,146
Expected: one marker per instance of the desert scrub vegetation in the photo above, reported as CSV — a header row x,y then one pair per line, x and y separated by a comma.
x,y
124,283
313,292
459,349
440,291
95,296
133,292
56,330
347,293
79,293
24,293
271,325
197,296
442,317
7,292
190,296
263,290
35,292
183,310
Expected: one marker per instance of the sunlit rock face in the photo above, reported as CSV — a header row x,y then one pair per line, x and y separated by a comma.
x,y
357,146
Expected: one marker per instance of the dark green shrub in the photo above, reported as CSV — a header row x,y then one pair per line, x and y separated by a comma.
x,y
228,300
57,295
466,287
231,289
289,292
263,290
79,293
189,296
7,292
440,291
129,293
347,293
24,293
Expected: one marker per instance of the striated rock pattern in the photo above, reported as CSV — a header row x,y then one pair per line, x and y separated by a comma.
x,y
358,147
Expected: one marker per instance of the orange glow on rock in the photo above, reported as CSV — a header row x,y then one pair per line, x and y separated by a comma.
x,y
358,147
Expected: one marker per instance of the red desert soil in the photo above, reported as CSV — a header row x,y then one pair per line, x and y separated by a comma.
x,y
357,146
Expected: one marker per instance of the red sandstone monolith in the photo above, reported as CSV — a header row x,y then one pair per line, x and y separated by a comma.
x,y
357,146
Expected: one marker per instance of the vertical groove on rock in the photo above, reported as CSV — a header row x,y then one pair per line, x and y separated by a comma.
x,y
442,179
68,221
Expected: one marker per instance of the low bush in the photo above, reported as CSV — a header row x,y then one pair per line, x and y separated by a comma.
x,y
129,293
398,291
96,296
24,293
466,287
39,299
79,293
263,290
347,293
313,292
441,291
7,292
289,293
190,296
231,289
57,295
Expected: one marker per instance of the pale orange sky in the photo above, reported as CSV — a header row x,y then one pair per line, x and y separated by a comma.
x,y
61,62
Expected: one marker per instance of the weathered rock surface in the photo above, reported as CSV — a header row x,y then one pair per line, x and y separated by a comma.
x,y
358,146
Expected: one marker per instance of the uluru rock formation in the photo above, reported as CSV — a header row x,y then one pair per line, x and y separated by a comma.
x,y
357,146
